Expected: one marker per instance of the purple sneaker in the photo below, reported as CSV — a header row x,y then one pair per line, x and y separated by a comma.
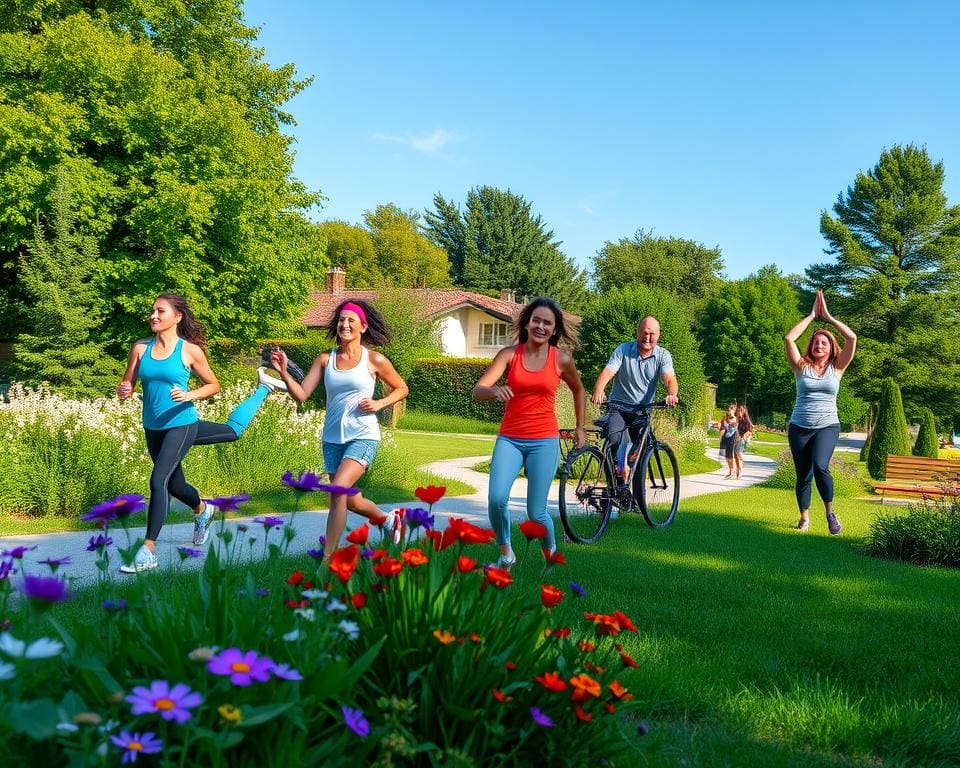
x,y
833,524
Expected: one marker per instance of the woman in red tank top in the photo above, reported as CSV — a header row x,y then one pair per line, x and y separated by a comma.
x,y
529,435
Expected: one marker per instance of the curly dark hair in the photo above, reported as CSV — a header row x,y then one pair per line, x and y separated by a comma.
x,y
377,333
560,334
188,328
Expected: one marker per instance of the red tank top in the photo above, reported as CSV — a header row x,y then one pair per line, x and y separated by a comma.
x,y
529,414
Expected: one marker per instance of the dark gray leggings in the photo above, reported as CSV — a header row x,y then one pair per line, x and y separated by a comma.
x,y
167,447
812,449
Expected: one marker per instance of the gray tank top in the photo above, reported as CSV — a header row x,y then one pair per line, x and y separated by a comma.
x,y
816,405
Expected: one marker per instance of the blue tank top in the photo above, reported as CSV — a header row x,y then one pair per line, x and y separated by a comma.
x,y
816,405
158,378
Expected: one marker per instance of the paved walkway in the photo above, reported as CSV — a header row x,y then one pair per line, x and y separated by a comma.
x,y
310,525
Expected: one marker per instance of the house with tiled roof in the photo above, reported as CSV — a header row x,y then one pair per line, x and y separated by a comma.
x,y
470,324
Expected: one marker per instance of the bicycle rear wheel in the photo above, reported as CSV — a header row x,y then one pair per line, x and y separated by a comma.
x,y
585,494
656,485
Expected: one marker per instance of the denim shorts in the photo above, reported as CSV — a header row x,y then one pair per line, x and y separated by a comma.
x,y
361,451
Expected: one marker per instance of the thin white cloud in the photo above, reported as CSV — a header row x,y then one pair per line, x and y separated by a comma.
x,y
427,142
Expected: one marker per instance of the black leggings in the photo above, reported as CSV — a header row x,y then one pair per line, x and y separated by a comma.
x,y
167,447
812,449
617,424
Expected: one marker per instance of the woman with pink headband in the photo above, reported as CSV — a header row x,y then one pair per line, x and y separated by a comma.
x,y
351,434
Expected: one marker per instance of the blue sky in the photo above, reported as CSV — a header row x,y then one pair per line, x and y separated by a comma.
x,y
733,124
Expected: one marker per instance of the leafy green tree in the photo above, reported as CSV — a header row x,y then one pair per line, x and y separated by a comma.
x,y
405,256
889,435
351,247
498,243
896,277
928,443
613,318
63,308
683,267
412,337
741,331
167,123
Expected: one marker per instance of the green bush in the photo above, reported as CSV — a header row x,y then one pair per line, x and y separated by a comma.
x,y
425,421
851,410
846,480
890,431
445,385
927,443
613,318
926,534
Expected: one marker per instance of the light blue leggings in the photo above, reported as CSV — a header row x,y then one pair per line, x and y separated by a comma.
x,y
539,458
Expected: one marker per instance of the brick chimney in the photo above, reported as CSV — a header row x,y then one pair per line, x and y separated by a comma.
x,y
336,279
508,294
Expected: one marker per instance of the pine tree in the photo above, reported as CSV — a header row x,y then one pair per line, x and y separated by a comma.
x,y
927,443
890,432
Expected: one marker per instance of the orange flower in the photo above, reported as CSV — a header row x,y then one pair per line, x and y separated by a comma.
x,y
550,596
618,690
501,696
388,567
554,558
586,646
466,564
582,716
359,535
560,632
475,638
628,660
533,530
431,494
444,637
595,668
624,621
586,684
498,577
551,681
359,600
414,557
343,562
605,625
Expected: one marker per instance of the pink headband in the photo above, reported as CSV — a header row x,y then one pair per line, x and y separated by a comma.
x,y
356,309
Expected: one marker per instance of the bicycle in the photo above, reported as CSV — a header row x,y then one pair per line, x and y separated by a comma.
x,y
590,488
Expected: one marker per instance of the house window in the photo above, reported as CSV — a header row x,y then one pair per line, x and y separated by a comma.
x,y
493,334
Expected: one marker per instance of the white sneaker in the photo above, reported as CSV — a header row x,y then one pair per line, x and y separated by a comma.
x,y
144,561
270,382
201,524
506,562
394,524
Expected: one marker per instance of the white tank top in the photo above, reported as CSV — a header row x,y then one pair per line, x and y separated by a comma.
x,y
344,421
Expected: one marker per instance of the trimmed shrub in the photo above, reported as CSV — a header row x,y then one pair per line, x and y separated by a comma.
x,y
890,431
927,443
445,385
927,534
851,410
613,318
846,480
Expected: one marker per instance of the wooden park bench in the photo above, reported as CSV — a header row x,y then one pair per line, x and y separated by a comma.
x,y
920,476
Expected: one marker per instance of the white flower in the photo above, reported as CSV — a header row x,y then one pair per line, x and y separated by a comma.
x,y
44,648
350,628
315,594
68,727
336,605
292,635
307,613
7,671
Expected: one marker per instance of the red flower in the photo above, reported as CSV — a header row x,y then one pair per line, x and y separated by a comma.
x,y
359,600
295,578
550,596
388,567
343,562
467,533
586,646
475,638
291,604
582,715
501,696
466,564
618,691
413,557
378,586
560,632
499,577
595,668
551,681
437,538
554,558
431,494
623,621
609,707
533,530
359,535
378,554
605,625
510,665
628,660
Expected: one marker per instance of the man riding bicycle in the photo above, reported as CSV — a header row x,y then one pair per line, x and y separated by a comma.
x,y
634,367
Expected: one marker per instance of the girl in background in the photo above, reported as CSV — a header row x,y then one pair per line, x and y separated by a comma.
x,y
744,433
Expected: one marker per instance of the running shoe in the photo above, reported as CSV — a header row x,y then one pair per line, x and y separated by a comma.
x,y
292,368
201,524
145,560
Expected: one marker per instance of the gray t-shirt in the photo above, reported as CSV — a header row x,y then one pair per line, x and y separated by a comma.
x,y
816,405
636,377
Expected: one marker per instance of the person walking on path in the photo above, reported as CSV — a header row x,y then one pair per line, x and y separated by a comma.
x,y
529,436
728,438
814,424
351,433
164,363
744,433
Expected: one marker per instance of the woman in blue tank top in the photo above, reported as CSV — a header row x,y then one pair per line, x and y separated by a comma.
x,y
164,363
351,434
814,424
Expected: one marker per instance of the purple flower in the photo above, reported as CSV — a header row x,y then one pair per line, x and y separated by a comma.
x,y
114,606
120,507
316,554
230,503
54,563
577,589
341,489
243,668
135,743
172,703
6,569
17,553
186,552
285,672
366,553
418,516
46,589
269,521
261,591
642,729
322,540
540,718
306,482
99,542
355,721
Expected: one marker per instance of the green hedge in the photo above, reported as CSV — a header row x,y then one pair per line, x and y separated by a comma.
x,y
927,443
927,534
890,432
445,385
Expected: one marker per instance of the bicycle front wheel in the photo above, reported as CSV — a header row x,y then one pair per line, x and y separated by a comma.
x,y
585,494
656,485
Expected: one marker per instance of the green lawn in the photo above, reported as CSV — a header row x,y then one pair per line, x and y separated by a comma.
x,y
436,422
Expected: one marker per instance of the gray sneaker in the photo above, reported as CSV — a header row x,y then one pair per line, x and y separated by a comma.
x,y
201,524
292,368
833,524
144,561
